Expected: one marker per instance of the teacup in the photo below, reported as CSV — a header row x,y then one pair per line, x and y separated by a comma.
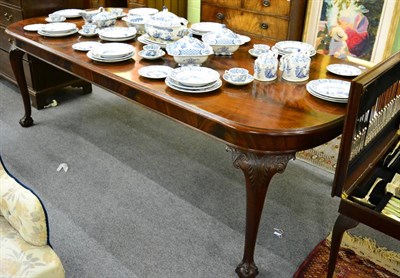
x,y
89,28
54,17
237,74
260,48
151,49
115,11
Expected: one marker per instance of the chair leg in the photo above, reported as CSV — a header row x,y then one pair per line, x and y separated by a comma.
x,y
342,224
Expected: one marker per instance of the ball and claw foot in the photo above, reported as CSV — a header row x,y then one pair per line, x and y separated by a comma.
x,y
26,121
246,270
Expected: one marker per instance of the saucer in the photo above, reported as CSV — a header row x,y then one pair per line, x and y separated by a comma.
x,y
160,53
87,34
249,79
253,53
155,72
48,19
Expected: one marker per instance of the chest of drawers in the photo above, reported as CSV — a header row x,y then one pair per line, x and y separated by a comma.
x,y
272,19
43,80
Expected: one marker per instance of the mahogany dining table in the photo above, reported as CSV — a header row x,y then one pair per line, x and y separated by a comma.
x,y
263,124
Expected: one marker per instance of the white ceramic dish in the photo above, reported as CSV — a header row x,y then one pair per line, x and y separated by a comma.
x,y
215,86
244,39
87,34
143,11
205,27
343,70
55,35
159,54
58,27
184,87
146,39
194,76
155,72
70,13
117,32
117,39
330,88
113,50
108,60
249,78
85,46
315,94
33,27
48,19
287,47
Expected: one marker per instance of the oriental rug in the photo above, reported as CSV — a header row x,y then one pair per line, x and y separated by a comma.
x,y
358,258
324,156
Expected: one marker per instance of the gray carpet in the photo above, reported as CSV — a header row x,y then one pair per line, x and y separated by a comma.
x,y
147,197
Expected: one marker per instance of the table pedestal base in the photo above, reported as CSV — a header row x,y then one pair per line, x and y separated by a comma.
x,y
258,170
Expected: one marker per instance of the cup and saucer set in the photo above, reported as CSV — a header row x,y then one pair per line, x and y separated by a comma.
x,y
238,76
88,30
151,52
55,17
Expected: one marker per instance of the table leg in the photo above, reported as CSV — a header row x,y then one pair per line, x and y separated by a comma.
x,y
258,170
18,69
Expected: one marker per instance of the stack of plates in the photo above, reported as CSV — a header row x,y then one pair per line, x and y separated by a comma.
x,y
112,52
146,39
330,89
193,79
201,28
287,47
58,29
117,33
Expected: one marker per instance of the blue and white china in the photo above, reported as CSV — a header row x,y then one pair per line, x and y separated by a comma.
x,y
157,55
344,70
193,90
244,39
329,89
266,66
194,76
155,72
260,48
295,66
89,29
166,26
151,49
146,39
70,13
287,47
200,28
56,17
143,11
88,15
104,19
117,33
117,12
34,27
113,50
58,28
136,21
189,50
85,46
249,78
223,41
55,35
237,74
108,60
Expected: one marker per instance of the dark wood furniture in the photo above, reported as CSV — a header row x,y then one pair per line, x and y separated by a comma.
x,y
272,19
43,79
263,123
108,3
371,131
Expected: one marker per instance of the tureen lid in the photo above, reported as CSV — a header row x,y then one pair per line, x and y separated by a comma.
x,y
103,15
189,46
166,19
222,36
135,18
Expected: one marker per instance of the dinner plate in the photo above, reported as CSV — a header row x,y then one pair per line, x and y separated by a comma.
x,y
143,11
117,32
290,46
117,39
108,60
48,19
315,94
33,27
194,76
249,79
113,50
184,87
58,27
55,35
215,86
343,70
160,53
205,27
82,33
330,88
70,13
85,46
155,72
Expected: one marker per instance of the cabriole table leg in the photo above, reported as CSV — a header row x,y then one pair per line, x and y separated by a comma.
x,y
258,170
18,69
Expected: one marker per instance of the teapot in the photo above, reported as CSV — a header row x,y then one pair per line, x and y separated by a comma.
x,y
266,66
88,15
295,66
166,26
99,17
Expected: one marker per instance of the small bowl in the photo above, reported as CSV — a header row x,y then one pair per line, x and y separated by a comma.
x,y
189,51
136,21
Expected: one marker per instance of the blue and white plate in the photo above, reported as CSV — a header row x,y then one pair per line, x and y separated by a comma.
x,y
159,54
194,76
85,46
249,78
193,90
344,70
155,72
329,89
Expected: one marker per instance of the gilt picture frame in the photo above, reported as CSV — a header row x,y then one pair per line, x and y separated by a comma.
x,y
362,30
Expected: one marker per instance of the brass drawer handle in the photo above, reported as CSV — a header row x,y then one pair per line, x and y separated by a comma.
x,y
264,26
220,16
266,3
8,16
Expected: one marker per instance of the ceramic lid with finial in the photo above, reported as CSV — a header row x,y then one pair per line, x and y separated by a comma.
x,y
222,36
189,46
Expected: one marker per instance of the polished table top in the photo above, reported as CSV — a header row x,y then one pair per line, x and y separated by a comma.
x,y
269,117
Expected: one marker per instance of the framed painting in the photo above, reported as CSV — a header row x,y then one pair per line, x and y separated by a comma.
x,y
360,29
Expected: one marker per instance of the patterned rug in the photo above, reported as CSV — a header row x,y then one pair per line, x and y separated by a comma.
x,y
324,156
358,258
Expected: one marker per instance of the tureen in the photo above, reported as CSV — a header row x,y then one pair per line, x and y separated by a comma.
x,y
223,41
189,50
136,21
104,19
166,26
